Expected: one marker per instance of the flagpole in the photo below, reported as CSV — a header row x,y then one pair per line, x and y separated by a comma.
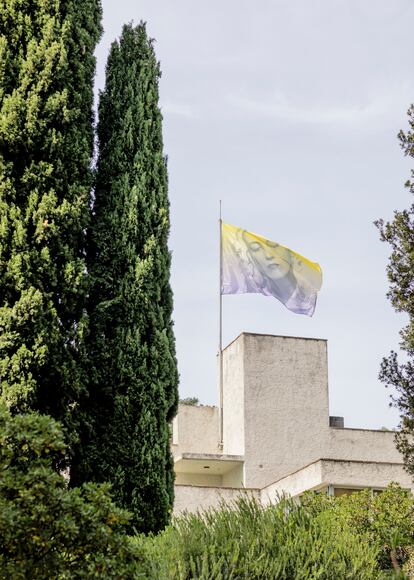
x,y
221,336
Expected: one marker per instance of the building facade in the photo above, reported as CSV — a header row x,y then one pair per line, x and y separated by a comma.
x,y
278,436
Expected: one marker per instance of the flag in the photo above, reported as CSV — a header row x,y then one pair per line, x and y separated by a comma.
x,y
252,264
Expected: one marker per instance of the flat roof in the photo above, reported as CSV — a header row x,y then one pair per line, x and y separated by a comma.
x,y
273,336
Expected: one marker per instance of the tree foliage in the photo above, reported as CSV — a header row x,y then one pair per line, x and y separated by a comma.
x,y
386,519
190,401
47,530
245,540
133,376
399,233
46,141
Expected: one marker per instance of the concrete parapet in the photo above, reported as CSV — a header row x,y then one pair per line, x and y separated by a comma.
x,y
193,498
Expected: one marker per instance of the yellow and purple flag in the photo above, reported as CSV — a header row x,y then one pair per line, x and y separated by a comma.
x,y
252,264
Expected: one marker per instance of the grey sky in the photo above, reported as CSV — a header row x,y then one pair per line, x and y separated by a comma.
x,y
288,111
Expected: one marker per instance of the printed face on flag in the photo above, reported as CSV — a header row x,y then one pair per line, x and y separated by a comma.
x,y
253,264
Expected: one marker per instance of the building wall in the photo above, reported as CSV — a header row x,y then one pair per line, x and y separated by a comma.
x,y
276,417
339,474
233,398
362,445
192,498
286,408
195,430
234,478
310,477
364,474
198,479
318,475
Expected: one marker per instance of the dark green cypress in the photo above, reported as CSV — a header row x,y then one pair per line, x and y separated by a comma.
x,y
46,143
133,391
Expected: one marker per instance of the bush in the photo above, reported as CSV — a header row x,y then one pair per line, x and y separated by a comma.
x,y
50,531
247,541
47,530
409,564
386,518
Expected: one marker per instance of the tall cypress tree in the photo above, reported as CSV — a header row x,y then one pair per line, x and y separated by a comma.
x,y
46,143
133,391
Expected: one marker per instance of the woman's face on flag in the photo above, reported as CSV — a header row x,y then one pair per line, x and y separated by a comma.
x,y
253,264
271,258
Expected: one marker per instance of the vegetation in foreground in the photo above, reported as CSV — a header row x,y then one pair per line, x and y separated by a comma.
x,y
358,536
246,541
48,530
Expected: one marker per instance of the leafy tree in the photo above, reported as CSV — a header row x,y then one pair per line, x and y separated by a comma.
x,y
133,388
191,401
46,141
47,530
385,518
399,233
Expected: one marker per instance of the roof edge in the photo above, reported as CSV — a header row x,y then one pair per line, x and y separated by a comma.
x,y
245,333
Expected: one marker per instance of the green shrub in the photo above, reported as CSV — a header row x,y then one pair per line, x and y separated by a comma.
x,y
409,564
386,518
47,530
246,541
50,531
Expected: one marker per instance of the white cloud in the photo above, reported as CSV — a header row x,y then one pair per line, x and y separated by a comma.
x,y
179,110
280,107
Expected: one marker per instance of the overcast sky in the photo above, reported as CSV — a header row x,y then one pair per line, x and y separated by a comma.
x,y
288,111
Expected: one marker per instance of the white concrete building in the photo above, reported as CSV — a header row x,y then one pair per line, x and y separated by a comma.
x,y
277,433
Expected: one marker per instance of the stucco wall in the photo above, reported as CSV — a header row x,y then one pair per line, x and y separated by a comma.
x,y
317,475
347,474
364,474
233,398
234,478
286,405
195,430
310,477
198,479
362,445
276,416
192,498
